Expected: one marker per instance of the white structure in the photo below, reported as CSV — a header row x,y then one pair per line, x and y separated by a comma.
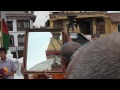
x,y
18,22
18,63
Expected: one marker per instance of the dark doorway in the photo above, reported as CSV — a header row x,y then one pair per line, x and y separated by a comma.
x,y
118,28
84,27
20,54
14,54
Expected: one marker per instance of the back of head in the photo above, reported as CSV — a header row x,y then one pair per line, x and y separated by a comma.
x,y
3,49
69,49
99,59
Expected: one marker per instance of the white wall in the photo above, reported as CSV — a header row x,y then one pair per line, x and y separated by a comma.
x,y
14,25
31,24
15,33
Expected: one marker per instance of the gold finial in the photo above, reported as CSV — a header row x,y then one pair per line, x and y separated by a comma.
x,y
78,29
70,30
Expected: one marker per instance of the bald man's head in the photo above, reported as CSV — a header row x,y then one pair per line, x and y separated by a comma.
x,y
68,50
97,60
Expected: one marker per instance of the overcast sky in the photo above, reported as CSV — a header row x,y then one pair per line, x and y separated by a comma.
x,y
38,43
42,16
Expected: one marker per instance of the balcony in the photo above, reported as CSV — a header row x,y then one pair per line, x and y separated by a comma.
x,y
64,15
13,49
11,45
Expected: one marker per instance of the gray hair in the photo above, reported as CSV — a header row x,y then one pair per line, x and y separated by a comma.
x,y
68,49
99,59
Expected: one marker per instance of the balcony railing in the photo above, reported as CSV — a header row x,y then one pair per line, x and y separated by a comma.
x,y
11,45
76,14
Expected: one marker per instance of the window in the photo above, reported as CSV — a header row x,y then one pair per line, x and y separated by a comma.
x,y
118,27
23,24
58,23
100,26
10,25
20,40
100,19
20,54
100,29
11,40
47,24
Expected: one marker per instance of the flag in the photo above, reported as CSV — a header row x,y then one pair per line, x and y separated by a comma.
x,y
5,34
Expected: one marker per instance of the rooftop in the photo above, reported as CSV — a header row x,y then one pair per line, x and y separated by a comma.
x,y
19,15
114,17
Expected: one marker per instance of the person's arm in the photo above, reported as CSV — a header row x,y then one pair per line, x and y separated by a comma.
x,y
67,37
23,70
9,73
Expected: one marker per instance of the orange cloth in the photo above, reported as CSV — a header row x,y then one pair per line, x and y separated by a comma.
x,y
5,69
58,76
55,76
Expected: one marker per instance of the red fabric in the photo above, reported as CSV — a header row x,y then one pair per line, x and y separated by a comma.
x,y
4,27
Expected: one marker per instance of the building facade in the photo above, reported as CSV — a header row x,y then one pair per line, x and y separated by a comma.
x,y
18,22
91,23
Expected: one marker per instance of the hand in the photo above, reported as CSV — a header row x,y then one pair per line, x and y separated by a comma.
x,y
65,33
47,76
23,70
67,37
4,76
